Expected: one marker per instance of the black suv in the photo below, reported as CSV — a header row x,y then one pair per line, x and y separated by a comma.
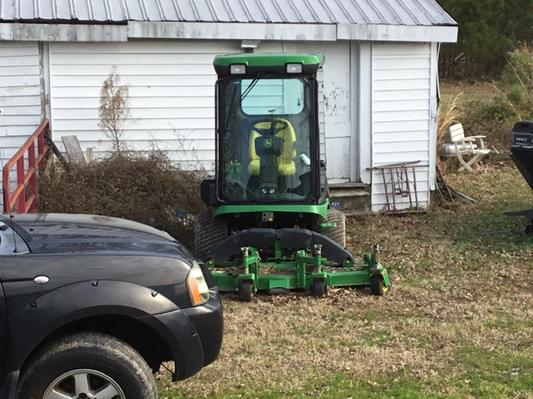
x,y
90,306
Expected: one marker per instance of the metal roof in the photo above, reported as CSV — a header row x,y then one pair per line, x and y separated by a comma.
x,y
359,12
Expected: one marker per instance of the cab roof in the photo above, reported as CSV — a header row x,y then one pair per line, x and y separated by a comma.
x,y
268,62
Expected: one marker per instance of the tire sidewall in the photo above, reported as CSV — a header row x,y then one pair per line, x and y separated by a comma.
x,y
118,366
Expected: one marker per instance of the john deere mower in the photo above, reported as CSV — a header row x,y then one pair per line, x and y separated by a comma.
x,y
270,226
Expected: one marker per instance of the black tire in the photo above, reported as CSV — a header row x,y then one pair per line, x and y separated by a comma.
x,y
337,233
377,285
84,352
209,232
318,287
246,291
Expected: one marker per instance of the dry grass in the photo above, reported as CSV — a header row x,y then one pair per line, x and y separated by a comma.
x,y
449,114
458,322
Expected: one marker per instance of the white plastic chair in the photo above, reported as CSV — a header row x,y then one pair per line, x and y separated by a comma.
x,y
471,146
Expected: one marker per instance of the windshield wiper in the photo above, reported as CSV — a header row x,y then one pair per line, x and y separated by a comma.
x,y
234,105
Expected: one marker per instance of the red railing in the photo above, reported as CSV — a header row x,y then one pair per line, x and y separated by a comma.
x,y
28,164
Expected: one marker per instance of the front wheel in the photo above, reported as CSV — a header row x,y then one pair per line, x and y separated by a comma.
x,y
246,290
318,288
87,365
377,285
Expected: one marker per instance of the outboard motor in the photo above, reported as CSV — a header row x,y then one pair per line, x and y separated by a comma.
x,y
522,154
522,149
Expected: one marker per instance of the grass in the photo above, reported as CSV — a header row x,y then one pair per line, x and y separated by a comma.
x,y
457,324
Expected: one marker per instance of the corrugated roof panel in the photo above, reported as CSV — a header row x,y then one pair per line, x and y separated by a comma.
x,y
62,10
169,11
355,11
302,9
100,10
153,11
45,9
437,13
80,10
274,11
388,12
400,14
375,12
242,14
256,14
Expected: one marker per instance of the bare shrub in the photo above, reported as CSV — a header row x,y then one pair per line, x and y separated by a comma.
x,y
148,188
114,110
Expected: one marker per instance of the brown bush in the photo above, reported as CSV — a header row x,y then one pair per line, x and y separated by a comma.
x,y
147,188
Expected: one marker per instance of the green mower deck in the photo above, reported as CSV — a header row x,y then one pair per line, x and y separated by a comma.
x,y
303,271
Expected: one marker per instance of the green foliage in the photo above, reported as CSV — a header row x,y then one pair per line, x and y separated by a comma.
x,y
503,103
517,80
519,69
487,30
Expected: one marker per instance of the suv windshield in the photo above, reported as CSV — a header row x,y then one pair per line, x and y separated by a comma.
x,y
265,154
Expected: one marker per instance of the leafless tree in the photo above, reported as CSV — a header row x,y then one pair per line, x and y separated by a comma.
x,y
114,110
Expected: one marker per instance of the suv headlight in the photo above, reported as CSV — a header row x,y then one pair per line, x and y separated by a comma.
x,y
197,286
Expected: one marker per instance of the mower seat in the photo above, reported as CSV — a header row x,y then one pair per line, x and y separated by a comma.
x,y
286,165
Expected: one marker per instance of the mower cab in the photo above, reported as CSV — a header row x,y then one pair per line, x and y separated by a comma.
x,y
269,197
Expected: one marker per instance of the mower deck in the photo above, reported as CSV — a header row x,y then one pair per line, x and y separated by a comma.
x,y
305,270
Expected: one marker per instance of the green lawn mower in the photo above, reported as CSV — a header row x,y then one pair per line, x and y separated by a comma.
x,y
270,226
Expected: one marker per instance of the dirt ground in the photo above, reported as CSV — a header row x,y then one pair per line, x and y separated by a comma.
x,y
458,322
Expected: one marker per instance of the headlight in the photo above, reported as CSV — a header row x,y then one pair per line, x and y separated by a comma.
x,y
237,69
197,286
294,68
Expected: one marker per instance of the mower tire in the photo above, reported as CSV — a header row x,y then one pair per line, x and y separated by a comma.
x,y
246,290
337,233
209,232
318,287
377,285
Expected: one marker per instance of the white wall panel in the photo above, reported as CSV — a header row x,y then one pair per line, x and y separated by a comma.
x,y
20,97
171,94
401,126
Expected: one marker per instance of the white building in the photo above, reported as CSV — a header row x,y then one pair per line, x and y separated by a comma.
x,y
380,79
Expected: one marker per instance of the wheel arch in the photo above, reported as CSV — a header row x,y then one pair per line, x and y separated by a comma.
x,y
78,305
137,334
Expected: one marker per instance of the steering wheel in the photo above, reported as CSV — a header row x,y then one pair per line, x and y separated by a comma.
x,y
273,130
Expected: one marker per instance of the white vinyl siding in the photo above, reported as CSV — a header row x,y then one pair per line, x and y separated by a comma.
x,y
401,116
20,97
171,94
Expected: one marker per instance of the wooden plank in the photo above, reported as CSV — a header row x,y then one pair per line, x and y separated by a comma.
x,y
73,149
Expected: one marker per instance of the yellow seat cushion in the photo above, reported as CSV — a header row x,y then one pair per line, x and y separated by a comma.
x,y
254,167
286,168
286,165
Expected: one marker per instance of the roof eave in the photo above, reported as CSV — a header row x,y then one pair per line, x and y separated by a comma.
x,y
225,31
403,33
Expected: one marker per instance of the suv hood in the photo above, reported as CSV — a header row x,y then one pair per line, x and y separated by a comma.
x,y
61,233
